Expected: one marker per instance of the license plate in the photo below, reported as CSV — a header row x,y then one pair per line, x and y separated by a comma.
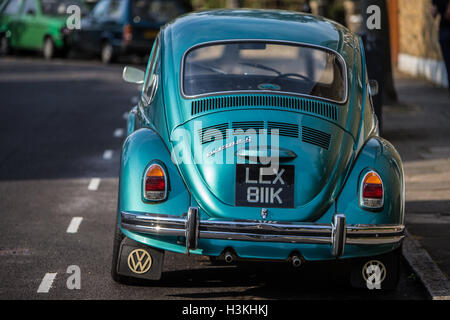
x,y
150,34
256,188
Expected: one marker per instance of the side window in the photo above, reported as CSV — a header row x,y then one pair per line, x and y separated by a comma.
x,y
115,10
369,99
100,9
151,81
13,7
29,7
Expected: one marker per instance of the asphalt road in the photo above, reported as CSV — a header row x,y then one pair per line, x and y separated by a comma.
x,y
58,131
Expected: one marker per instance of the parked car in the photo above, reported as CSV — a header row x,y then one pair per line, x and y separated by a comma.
x,y
256,139
35,25
119,27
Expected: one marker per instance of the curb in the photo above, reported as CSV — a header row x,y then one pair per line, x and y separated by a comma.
x,y
434,280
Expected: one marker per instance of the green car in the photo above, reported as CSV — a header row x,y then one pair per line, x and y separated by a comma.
x,y
35,25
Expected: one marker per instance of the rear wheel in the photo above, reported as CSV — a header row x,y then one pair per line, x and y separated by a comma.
x,y
4,45
107,53
48,50
118,237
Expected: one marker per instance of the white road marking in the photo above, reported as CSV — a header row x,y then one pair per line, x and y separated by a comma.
x,y
107,155
433,279
93,185
46,283
118,133
74,225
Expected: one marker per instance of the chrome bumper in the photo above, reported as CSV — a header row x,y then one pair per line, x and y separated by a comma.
x,y
337,234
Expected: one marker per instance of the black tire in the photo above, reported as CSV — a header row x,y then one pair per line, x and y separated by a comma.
x,y
5,48
48,49
118,237
389,264
107,54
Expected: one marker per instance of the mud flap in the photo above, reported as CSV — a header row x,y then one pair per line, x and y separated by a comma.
x,y
380,272
137,260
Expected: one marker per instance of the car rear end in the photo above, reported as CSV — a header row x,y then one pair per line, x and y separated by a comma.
x,y
267,158
276,166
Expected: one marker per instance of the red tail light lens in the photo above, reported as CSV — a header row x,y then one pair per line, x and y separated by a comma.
x,y
65,31
155,183
127,33
372,193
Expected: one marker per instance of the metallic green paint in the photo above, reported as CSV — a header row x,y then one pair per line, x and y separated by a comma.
x,y
327,180
26,31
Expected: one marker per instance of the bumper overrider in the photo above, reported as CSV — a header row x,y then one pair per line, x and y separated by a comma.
x,y
337,234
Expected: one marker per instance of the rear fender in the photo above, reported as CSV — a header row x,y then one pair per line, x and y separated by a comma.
x,y
378,155
140,149
131,121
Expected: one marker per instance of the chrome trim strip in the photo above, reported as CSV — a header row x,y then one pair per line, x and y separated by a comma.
x,y
153,230
266,226
337,234
376,240
264,237
211,94
133,217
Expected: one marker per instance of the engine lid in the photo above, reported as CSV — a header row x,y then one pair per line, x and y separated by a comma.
x,y
310,153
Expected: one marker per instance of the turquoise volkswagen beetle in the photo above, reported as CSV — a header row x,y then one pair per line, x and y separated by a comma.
x,y
255,138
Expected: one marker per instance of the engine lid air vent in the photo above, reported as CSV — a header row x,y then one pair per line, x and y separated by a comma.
x,y
316,107
248,125
309,135
316,137
284,129
209,134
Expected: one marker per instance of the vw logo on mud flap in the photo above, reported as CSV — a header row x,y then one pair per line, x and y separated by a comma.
x,y
139,261
374,273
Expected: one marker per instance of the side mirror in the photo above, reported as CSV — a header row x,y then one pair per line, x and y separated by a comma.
x,y
133,75
373,87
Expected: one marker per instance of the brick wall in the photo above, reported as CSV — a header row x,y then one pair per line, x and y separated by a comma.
x,y
418,31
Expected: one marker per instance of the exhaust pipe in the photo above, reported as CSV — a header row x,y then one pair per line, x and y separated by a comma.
x,y
229,257
296,261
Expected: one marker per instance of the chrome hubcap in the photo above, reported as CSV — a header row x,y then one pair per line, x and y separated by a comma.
x,y
48,49
107,53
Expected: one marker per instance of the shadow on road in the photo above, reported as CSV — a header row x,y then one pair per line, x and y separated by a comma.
x,y
257,280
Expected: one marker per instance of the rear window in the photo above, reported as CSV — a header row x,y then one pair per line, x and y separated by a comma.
x,y
264,66
59,7
159,11
12,7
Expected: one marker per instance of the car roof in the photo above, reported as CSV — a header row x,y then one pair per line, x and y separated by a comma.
x,y
228,24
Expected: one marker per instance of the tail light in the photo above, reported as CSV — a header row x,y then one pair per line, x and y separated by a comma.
x,y
372,192
65,31
127,33
155,183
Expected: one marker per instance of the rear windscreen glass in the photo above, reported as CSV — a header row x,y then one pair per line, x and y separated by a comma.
x,y
59,7
159,11
264,66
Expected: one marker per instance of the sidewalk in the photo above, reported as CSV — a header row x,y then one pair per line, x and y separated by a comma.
x,y
419,127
